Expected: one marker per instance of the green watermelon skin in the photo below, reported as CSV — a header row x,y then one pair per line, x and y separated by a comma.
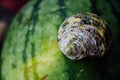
x,y
31,51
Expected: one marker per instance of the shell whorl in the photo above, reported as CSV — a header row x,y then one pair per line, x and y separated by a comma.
x,y
84,35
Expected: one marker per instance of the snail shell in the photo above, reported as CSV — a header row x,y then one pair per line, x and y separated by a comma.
x,y
84,35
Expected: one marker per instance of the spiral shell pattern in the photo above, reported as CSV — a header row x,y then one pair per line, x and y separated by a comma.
x,y
84,35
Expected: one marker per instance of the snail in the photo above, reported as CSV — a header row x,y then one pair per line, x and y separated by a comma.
x,y
84,35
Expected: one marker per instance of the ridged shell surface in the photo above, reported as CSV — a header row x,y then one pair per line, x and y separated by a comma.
x,y
84,35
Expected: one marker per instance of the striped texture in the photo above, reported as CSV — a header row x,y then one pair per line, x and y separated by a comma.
x,y
83,35
31,52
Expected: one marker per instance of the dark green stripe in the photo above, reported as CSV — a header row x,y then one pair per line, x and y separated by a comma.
x,y
32,22
116,13
114,67
20,17
34,15
30,32
32,50
94,7
36,77
14,65
24,56
25,47
14,48
62,8
34,19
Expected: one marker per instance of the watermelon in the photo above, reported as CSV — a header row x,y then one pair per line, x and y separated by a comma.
x,y
31,50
